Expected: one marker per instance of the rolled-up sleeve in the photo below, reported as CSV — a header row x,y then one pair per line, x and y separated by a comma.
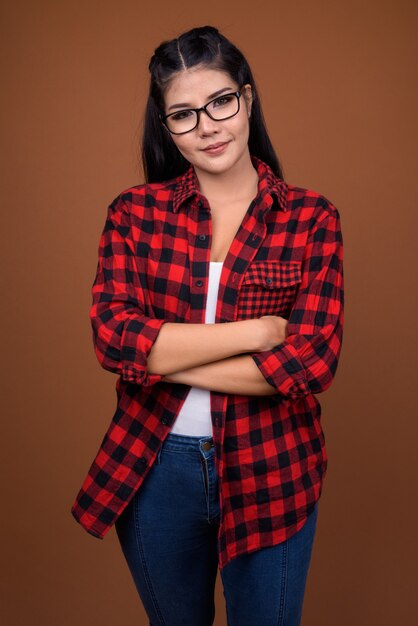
x,y
306,361
123,334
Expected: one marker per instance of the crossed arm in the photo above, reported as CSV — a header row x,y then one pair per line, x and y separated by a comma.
x,y
210,356
238,375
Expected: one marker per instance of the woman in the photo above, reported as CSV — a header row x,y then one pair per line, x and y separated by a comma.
x,y
215,455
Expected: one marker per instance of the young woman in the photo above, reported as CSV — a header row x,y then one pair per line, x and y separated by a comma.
x,y
218,300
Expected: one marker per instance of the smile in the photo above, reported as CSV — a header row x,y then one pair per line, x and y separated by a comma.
x,y
220,148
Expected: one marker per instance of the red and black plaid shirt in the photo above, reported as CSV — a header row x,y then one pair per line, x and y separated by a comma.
x,y
286,259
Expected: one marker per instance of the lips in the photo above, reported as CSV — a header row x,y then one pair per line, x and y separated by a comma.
x,y
215,145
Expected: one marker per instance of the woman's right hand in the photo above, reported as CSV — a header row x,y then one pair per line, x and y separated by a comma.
x,y
274,331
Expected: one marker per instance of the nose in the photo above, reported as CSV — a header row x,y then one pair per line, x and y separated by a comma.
x,y
206,124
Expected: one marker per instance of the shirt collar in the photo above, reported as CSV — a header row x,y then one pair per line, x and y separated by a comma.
x,y
269,185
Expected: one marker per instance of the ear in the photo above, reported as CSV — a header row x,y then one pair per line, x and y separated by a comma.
x,y
248,95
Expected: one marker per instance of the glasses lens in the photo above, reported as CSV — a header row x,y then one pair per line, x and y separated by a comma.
x,y
182,121
223,107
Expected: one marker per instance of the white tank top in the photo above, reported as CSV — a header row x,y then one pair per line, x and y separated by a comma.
x,y
194,417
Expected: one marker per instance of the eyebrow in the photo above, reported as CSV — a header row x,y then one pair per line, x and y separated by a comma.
x,y
212,95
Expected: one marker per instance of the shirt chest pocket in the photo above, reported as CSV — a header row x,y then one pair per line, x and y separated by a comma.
x,y
268,288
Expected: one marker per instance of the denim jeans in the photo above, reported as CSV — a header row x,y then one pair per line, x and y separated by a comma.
x,y
168,535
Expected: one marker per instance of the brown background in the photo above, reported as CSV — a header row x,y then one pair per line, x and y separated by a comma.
x,y
338,85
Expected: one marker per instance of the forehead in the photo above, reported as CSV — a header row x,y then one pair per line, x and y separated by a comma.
x,y
195,84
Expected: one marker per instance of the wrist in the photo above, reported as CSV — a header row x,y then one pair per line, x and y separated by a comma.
x,y
252,334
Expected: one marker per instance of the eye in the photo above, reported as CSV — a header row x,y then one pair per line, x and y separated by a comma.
x,y
222,100
181,115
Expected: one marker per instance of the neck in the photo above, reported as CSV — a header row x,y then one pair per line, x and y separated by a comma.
x,y
238,182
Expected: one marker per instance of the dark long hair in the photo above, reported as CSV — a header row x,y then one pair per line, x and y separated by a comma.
x,y
204,46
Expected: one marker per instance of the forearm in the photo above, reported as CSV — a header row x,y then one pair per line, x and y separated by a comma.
x,y
181,346
237,374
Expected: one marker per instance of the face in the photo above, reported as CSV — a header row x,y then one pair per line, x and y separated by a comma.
x,y
194,87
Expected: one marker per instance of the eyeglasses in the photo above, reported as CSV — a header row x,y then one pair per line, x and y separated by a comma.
x,y
221,108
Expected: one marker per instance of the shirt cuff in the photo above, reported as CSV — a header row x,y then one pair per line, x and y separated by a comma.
x,y
283,369
138,337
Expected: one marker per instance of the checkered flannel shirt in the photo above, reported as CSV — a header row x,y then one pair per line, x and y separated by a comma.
x,y
153,266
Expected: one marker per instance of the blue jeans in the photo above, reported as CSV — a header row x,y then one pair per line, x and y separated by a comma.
x,y
168,535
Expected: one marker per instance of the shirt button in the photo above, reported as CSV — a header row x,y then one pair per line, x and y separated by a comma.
x,y
200,204
202,237
199,283
164,420
269,281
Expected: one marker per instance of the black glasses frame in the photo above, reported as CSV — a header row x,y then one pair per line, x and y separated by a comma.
x,y
238,95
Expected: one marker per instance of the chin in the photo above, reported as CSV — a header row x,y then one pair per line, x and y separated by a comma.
x,y
217,164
